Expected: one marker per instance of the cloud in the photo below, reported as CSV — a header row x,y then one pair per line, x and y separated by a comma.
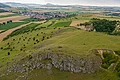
x,y
90,2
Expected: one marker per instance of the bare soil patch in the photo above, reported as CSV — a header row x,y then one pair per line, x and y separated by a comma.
x,y
76,22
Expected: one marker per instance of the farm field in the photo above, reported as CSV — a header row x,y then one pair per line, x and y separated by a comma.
x,y
16,26
13,18
30,20
4,16
6,13
11,25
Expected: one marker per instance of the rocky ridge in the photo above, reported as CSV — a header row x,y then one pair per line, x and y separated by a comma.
x,y
59,61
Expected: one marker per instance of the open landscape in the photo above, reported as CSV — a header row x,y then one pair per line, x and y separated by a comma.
x,y
59,42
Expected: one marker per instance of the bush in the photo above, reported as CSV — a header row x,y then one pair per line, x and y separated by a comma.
x,y
118,68
109,58
117,52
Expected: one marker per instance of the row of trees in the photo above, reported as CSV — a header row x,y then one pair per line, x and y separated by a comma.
x,y
9,21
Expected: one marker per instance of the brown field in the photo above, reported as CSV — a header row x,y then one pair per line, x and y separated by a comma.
x,y
6,33
13,18
6,13
74,23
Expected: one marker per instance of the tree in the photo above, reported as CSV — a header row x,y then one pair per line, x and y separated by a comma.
x,y
4,23
103,25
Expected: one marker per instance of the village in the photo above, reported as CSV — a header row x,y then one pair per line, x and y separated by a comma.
x,y
45,15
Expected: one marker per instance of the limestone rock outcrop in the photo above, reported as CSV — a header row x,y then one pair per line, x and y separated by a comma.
x,y
59,61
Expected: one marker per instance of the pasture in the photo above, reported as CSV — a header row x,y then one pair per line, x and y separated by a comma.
x,y
72,40
62,24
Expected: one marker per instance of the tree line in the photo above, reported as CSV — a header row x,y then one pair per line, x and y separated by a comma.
x,y
102,25
9,21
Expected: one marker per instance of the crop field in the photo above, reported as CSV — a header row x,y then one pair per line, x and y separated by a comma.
x,y
30,19
5,13
4,16
11,25
8,32
13,18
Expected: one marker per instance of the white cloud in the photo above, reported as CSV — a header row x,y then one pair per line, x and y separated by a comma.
x,y
87,2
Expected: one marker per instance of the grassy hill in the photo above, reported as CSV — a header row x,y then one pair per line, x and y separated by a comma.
x,y
73,42
53,37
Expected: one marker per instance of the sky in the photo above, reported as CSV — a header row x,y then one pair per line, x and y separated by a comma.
x,y
79,2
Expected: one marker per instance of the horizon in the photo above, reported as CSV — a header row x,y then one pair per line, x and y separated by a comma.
x,y
111,3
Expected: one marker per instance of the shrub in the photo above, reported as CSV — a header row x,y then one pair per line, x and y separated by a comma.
x,y
117,52
118,69
109,58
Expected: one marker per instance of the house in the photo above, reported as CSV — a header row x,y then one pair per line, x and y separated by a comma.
x,y
88,27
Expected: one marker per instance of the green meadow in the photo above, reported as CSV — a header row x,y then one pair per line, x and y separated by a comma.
x,y
47,38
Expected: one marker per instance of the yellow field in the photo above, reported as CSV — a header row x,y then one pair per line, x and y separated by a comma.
x,y
6,13
13,18
77,22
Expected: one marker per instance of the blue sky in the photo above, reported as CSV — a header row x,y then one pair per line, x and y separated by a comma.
x,y
81,2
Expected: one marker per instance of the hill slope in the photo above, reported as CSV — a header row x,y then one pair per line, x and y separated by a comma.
x,y
63,42
3,5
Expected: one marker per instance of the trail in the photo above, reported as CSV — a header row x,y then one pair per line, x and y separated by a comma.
x,y
6,33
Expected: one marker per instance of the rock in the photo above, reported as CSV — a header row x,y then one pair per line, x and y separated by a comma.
x,y
59,61
49,66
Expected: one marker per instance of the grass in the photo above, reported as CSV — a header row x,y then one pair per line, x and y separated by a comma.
x,y
22,30
62,24
9,15
72,40
47,24
11,25
30,19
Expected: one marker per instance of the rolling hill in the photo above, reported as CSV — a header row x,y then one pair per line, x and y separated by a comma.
x,y
3,5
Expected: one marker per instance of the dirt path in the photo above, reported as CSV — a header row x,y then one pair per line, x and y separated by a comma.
x,y
6,33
